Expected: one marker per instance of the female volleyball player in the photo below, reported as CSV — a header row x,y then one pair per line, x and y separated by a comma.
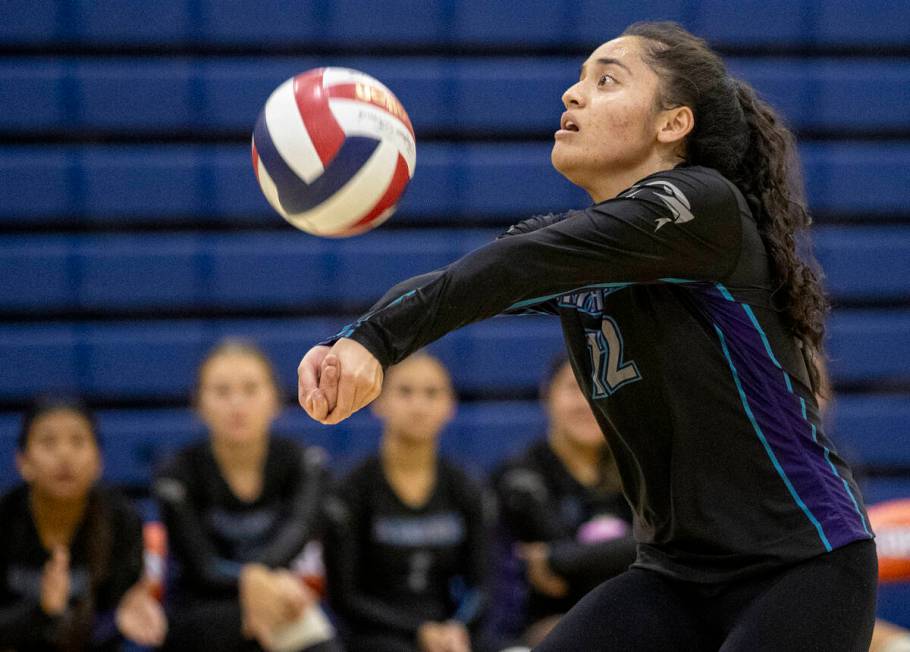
x,y
239,508
694,328
406,544
71,551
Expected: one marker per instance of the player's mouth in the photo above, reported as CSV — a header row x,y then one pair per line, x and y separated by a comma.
x,y
567,125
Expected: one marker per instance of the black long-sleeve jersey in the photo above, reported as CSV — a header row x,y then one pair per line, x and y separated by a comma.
x,y
587,528
213,533
665,297
392,566
90,614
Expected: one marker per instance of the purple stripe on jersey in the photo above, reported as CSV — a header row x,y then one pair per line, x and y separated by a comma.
x,y
777,411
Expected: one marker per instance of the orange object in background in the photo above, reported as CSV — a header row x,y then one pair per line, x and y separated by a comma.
x,y
154,536
891,524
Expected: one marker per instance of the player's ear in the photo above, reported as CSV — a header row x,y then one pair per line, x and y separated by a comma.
x,y
673,125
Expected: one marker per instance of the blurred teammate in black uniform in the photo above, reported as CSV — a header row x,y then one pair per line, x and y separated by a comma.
x,y
71,551
406,548
694,327
561,501
239,508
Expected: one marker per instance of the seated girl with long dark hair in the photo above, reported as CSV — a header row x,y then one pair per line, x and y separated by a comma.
x,y
71,551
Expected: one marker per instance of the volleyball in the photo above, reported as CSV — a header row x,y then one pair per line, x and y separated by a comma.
x,y
333,151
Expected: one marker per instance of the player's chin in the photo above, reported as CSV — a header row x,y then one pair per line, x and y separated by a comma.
x,y
564,161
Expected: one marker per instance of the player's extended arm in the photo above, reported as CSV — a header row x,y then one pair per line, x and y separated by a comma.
x,y
635,239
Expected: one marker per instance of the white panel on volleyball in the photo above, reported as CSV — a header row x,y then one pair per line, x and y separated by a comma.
x,y
355,199
289,134
362,119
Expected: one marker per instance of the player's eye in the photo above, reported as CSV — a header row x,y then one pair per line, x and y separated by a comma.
x,y
605,79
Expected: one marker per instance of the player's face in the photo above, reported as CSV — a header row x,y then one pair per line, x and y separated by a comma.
x,y
237,399
417,399
61,459
570,415
610,123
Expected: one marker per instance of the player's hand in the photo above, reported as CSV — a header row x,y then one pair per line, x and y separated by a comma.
x,y
140,618
540,575
55,582
310,374
359,380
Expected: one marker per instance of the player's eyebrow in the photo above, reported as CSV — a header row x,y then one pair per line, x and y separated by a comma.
x,y
607,61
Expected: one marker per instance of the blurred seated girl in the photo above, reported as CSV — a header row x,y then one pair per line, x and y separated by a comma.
x,y
560,502
239,507
71,552
406,544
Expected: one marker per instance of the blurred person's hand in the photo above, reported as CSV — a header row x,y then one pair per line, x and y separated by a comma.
x,y
55,582
260,605
271,599
540,575
455,637
431,637
140,617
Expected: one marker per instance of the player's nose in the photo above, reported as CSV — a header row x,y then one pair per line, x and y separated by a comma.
x,y
573,97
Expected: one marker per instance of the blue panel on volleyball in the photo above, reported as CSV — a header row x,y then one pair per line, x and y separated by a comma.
x,y
872,429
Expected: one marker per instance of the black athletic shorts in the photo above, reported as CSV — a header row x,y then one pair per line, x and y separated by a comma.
x,y
826,603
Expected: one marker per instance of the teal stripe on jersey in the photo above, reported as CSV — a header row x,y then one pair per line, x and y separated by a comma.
x,y
767,446
535,300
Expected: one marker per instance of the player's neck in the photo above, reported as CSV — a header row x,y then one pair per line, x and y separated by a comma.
x,y
612,182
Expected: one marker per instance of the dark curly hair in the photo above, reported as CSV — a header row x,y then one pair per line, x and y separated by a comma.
x,y
742,137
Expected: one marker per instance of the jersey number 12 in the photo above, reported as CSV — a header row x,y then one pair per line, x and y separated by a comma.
x,y
609,370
